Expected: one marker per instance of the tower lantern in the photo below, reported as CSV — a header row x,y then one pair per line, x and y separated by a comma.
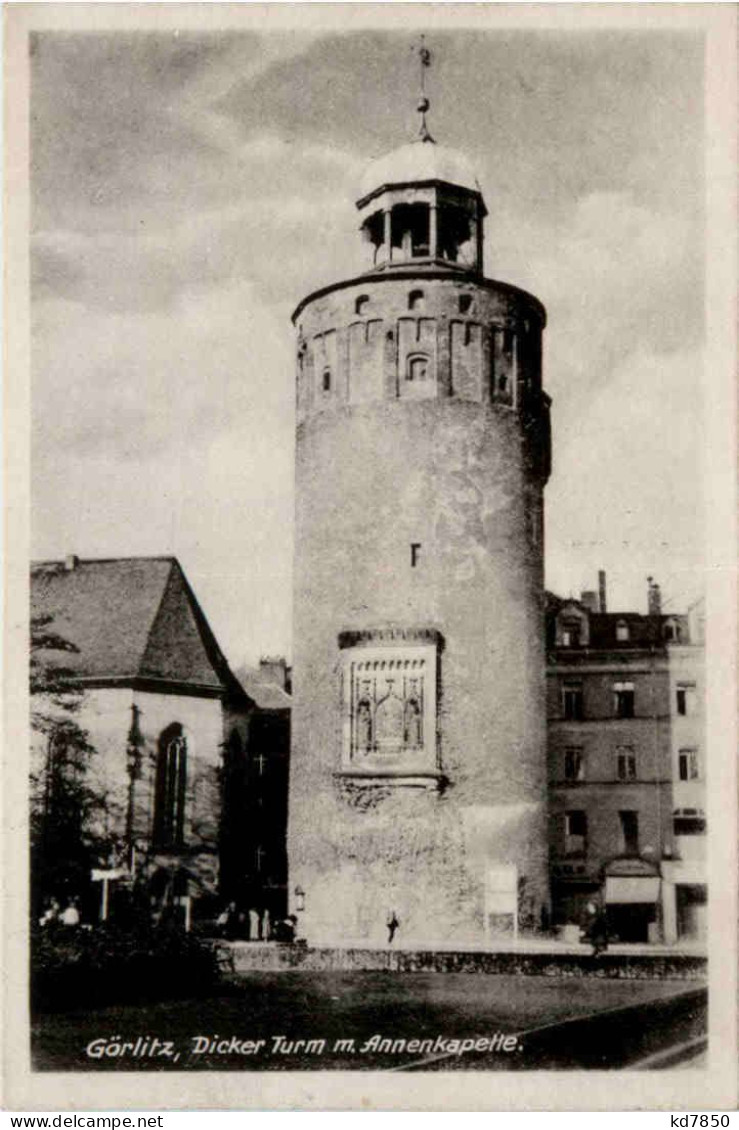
x,y
422,204
417,780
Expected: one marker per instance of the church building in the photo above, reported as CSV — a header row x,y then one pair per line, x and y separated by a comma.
x,y
145,742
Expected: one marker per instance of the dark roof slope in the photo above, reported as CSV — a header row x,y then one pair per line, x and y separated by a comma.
x,y
129,618
267,696
644,630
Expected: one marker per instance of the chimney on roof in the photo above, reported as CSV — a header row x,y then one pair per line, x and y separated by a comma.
x,y
590,600
71,561
602,590
654,598
273,669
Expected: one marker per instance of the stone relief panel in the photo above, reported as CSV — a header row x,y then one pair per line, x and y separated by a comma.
x,y
389,708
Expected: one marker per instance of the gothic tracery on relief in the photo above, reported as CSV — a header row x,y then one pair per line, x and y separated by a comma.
x,y
387,708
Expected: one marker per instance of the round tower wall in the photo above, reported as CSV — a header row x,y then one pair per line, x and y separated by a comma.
x,y
359,342
418,582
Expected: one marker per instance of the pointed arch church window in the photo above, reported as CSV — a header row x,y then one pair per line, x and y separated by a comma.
x,y
170,788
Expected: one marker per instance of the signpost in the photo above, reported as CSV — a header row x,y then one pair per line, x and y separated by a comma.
x,y
101,876
501,895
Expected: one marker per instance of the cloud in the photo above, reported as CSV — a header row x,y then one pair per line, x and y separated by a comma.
x,y
628,486
615,276
135,383
189,190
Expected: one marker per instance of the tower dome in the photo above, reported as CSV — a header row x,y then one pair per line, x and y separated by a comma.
x,y
422,202
418,162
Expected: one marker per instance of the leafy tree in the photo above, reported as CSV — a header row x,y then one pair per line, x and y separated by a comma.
x,y
63,805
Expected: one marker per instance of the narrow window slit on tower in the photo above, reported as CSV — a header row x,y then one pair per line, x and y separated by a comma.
x,y
415,553
326,380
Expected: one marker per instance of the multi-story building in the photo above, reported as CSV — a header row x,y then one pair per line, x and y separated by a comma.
x,y
626,766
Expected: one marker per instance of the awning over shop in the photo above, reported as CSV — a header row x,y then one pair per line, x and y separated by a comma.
x,y
632,888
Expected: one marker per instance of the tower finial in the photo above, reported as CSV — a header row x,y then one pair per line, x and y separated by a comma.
x,y
424,59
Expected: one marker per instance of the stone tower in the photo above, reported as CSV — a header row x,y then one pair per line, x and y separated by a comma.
x,y
417,779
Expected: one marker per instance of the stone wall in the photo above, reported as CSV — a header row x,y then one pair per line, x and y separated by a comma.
x,y
445,467
640,967
355,343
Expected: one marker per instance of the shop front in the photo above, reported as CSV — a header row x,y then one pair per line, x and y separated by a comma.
x,y
631,893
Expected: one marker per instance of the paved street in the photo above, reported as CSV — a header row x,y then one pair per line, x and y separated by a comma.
x,y
349,1021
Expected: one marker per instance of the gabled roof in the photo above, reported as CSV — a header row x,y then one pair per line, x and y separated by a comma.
x,y
267,696
644,630
132,618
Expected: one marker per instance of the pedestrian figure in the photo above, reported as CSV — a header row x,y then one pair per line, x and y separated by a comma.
x,y
227,920
284,929
50,914
70,916
266,927
392,925
596,930
253,925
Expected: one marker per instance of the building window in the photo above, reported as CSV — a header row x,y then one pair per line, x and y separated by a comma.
x,y
416,300
623,700
576,833
574,764
689,765
689,822
415,553
361,304
389,703
626,764
572,702
629,832
417,368
622,631
671,631
326,380
465,303
570,633
169,788
686,698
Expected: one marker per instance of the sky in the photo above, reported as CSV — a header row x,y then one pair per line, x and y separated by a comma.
x,y
188,189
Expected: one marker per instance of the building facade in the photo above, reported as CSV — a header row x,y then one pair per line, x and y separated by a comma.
x,y
626,767
418,772
134,711
255,791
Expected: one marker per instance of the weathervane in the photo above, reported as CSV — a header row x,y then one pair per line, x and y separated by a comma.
x,y
424,59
